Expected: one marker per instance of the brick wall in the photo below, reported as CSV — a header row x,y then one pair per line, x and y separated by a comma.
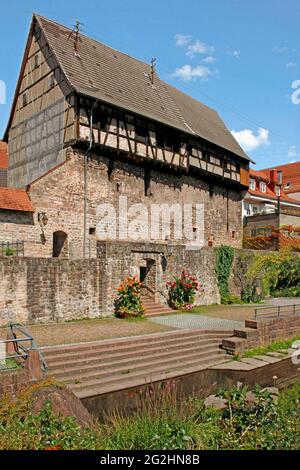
x,y
261,333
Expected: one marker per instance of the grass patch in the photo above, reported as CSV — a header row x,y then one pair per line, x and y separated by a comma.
x,y
277,346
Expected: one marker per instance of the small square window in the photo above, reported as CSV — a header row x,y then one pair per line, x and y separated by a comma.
x,y
24,98
51,81
36,60
92,230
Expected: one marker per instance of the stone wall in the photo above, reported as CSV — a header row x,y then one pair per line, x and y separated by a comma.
x,y
59,195
123,259
50,290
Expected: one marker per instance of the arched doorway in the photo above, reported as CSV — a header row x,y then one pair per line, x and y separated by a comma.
x,y
60,245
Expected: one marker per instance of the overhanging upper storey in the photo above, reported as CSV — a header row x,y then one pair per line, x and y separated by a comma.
x,y
136,112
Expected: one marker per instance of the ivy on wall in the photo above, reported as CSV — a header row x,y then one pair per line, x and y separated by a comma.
x,y
224,260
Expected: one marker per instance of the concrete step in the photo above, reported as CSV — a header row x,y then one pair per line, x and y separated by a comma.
x,y
134,342
111,364
94,357
142,375
153,308
108,365
143,370
135,381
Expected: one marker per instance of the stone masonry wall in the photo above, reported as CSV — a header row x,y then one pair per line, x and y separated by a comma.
x,y
59,194
50,290
124,259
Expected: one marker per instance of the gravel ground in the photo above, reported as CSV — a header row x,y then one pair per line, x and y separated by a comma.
x,y
90,330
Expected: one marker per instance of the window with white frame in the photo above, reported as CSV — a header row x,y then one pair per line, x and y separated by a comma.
x,y
262,186
252,184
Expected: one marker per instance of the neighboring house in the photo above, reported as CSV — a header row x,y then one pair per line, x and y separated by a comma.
x,y
3,164
16,214
150,142
290,178
268,209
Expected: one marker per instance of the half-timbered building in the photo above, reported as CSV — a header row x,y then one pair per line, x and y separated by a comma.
x,y
89,124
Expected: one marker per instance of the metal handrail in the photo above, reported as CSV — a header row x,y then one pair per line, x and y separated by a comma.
x,y
277,311
21,351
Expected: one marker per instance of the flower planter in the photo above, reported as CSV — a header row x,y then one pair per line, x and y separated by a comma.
x,y
129,314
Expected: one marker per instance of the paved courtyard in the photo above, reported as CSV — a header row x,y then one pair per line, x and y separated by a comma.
x,y
197,321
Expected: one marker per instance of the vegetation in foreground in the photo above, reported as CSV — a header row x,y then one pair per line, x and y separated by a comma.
x,y
276,346
160,424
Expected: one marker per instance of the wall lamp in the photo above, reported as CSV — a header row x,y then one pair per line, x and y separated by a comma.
x,y
42,218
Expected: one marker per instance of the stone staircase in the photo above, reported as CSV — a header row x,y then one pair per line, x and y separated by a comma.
x,y
154,309
91,369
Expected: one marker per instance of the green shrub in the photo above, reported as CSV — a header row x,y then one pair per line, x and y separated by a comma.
x,y
9,252
182,291
224,260
229,299
287,292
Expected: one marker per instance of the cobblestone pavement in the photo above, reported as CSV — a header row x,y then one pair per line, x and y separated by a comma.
x,y
194,321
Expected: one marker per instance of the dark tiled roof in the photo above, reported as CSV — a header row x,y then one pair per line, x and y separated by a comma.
x,y
15,200
116,78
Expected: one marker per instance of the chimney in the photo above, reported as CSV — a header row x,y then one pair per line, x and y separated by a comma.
x,y
273,176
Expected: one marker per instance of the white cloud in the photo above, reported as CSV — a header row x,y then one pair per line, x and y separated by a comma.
x,y
292,152
198,47
182,39
236,54
291,64
280,49
188,73
209,59
249,141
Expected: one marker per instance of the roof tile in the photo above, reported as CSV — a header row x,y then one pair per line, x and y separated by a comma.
x,y
15,200
101,72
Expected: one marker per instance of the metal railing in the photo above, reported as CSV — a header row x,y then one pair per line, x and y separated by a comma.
x,y
12,248
280,311
21,346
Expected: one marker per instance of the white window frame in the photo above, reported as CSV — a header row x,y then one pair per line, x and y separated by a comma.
x,y
252,184
262,186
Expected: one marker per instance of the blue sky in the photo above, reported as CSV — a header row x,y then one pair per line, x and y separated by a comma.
x,y
239,57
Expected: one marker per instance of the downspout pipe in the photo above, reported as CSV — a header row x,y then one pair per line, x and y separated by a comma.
x,y
85,178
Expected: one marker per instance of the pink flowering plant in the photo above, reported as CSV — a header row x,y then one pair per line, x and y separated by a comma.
x,y
128,302
182,291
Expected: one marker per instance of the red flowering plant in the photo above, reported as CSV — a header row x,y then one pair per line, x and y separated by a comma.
x,y
128,302
182,291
